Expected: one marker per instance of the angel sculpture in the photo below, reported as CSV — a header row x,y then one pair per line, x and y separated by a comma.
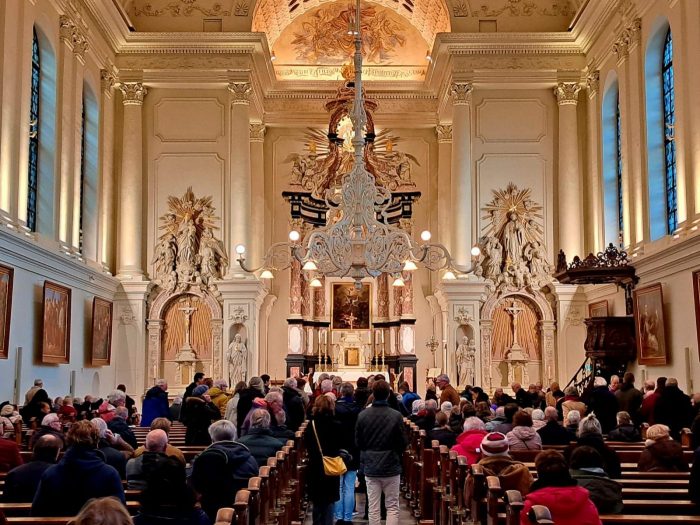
x,y
165,256
212,257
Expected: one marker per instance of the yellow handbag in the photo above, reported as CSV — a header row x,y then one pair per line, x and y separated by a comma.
x,y
332,466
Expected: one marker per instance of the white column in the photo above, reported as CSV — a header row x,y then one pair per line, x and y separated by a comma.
x,y
130,262
239,160
596,238
444,197
569,201
461,173
106,241
257,170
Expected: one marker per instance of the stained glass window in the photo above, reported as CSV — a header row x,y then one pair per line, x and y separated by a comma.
x,y
33,175
618,166
669,141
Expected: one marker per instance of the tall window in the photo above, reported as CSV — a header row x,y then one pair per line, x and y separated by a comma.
x,y
33,176
618,169
613,218
89,176
669,142
82,179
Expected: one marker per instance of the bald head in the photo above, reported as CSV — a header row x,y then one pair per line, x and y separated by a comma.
x,y
551,414
156,440
47,448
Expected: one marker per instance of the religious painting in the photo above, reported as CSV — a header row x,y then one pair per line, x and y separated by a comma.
x,y
101,332
599,309
649,325
55,346
696,290
6,275
350,307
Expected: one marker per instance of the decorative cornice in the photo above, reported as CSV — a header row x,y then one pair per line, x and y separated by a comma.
x,y
240,92
567,93
444,133
257,132
108,80
628,40
71,34
593,83
133,93
461,93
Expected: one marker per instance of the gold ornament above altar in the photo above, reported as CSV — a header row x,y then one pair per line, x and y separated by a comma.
x,y
513,255
187,253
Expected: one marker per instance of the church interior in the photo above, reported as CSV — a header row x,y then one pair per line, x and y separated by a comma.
x,y
171,173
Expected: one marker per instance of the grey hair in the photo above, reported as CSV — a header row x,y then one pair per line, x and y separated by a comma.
x,y
100,425
551,413
116,396
431,404
623,418
121,412
443,377
589,425
156,440
326,386
260,418
222,430
347,389
274,396
473,423
538,415
573,417
161,382
600,381
290,382
417,406
38,382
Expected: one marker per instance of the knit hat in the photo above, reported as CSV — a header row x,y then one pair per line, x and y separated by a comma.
x,y
494,444
7,411
657,433
200,390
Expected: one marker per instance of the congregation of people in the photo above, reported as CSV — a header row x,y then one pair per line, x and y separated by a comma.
x,y
85,451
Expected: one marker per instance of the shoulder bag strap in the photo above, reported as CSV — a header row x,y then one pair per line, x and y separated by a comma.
x,y
313,425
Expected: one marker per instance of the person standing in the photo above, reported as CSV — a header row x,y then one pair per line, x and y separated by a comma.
x,y
155,404
346,413
197,380
447,391
381,440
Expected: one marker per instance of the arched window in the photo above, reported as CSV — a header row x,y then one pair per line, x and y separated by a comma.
x,y
33,175
89,176
669,142
612,162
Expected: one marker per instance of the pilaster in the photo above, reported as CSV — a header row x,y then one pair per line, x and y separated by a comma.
x,y
462,216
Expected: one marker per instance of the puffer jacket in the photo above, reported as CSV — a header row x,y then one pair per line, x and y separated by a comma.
x,y
261,444
468,444
155,404
380,437
219,398
605,493
524,438
568,505
512,474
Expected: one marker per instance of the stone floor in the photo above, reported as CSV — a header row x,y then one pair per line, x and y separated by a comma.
x,y
405,516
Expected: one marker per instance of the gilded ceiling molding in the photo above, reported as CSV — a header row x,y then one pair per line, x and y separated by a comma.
x,y
133,93
257,132
461,93
180,8
71,34
444,133
567,93
240,92
593,83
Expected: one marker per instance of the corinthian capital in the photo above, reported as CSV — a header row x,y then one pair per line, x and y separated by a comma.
x,y
444,133
71,34
240,92
257,132
593,83
133,93
461,93
628,40
567,93
108,79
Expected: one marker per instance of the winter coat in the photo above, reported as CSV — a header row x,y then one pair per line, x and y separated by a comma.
x,y
512,474
572,403
625,433
663,456
170,451
605,493
629,400
552,397
245,403
155,404
379,435
22,482
603,403
113,457
361,396
139,469
33,408
552,433
673,409
449,394
443,435
231,408
198,416
346,413
611,463
646,412
568,505
261,444
121,427
219,472
294,407
188,392
219,398
81,475
322,489
408,398
425,420
524,438
9,455
468,444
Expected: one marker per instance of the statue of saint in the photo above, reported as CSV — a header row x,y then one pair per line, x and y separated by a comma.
x,y
537,258
213,260
237,360
494,253
514,238
187,245
465,358
164,256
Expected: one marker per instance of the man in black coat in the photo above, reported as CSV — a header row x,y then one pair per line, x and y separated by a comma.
x,y
22,482
552,433
119,425
629,398
673,408
198,378
346,413
293,404
603,403
380,437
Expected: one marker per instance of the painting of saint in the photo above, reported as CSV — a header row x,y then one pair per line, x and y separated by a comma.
x,y
351,307
649,321
101,332
6,275
55,347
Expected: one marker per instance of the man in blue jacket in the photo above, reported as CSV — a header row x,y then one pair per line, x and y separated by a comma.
x,y
155,404
381,440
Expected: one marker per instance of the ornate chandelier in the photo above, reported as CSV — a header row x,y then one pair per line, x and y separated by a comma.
x,y
354,243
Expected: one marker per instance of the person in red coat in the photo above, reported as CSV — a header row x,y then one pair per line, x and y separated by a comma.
x,y
554,488
469,441
9,455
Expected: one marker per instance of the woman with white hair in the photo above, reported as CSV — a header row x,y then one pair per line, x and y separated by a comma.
x,y
661,452
538,419
469,441
590,434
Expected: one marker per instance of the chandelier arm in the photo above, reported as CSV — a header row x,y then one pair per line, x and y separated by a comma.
x,y
278,257
436,256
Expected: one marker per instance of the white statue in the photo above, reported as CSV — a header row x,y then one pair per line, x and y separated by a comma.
x,y
494,260
537,259
212,257
514,238
465,358
237,360
164,256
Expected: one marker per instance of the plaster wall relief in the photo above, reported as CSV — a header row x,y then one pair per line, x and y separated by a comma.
x,y
516,15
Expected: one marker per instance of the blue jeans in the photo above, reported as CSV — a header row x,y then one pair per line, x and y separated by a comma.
x,y
345,506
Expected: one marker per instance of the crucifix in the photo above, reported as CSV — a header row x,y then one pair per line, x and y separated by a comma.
x,y
515,310
350,319
187,310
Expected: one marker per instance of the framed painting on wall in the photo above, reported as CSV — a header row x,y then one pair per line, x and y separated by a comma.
x,y
599,309
55,341
649,325
101,332
6,276
350,307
